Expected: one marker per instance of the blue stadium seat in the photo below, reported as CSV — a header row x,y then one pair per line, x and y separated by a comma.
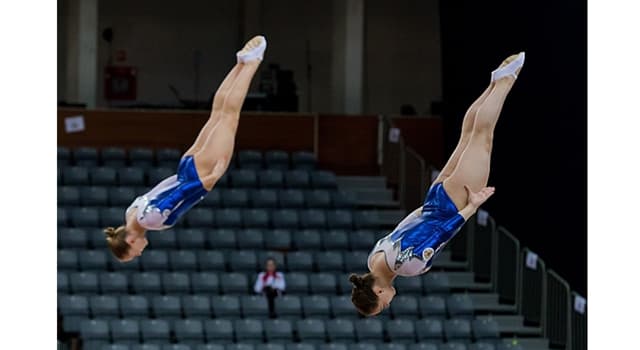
x,y
155,331
104,307
178,346
243,178
113,283
125,330
73,305
317,306
222,238
84,217
432,306
111,216
429,329
366,219
243,260
307,239
75,176
209,346
278,331
277,160
228,218
196,306
191,238
234,283
288,307
285,219
322,283
162,239
343,199
264,198
313,219
92,260
356,261
344,285
362,240
409,286
323,179
342,307
157,175
303,160
62,283
189,331
141,157
117,266
121,196
84,283
254,306
291,198
297,179
63,217
168,157
251,238
485,329
318,199
176,283
299,346
401,330
146,283
155,260
147,346
249,330
68,195
249,159
362,346
341,330
94,330
300,261
205,282
311,330
423,346
67,260
134,307
297,283
256,218
369,330
278,239
210,260
329,261
199,218
85,156
339,218
183,260
240,346
113,156
271,178
218,331
336,239
104,176
405,307
391,346
460,305
168,307
235,197
332,346
131,176
436,283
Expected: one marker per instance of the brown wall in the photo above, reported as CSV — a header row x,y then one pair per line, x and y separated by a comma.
x,y
425,136
348,144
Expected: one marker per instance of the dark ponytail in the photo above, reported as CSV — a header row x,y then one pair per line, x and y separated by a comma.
x,y
362,294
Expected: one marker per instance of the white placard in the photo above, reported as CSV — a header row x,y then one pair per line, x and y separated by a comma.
x,y
579,303
434,175
482,217
532,260
74,124
394,135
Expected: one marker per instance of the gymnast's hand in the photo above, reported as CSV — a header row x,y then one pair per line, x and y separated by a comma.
x,y
476,199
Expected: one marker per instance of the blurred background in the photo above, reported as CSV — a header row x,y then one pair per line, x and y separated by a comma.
x,y
365,99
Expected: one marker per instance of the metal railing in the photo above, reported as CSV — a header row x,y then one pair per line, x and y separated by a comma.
x,y
558,322
533,288
578,322
484,251
508,277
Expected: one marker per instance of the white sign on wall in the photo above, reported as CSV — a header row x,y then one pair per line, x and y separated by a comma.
x,y
394,135
579,304
482,217
74,124
532,260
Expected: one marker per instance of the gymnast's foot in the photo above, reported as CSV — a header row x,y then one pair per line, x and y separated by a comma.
x,y
510,67
253,50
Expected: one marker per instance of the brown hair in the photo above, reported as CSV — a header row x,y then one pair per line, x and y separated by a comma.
x,y
362,294
116,241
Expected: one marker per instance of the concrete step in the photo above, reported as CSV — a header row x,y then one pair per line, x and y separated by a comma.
x,y
513,325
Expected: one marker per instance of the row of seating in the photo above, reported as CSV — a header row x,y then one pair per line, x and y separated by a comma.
x,y
226,238
146,157
292,307
156,283
92,217
310,330
306,346
218,197
240,178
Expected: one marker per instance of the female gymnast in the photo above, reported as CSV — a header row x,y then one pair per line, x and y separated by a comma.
x,y
454,196
200,167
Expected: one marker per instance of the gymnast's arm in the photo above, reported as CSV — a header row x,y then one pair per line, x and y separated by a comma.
x,y
476,199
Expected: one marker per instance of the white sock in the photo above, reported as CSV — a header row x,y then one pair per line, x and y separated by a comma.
x,y
510,69
257,53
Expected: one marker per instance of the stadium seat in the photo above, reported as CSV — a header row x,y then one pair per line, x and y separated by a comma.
x,y
343,199
168,157
249,330
291,198
278,331
391,346
249,159
176,283
429,329
254,306
235,197
155,260
460,305
243,178
84,283
75,176
68,196
284,218
408,285
356,261
205,282
85,156
183,260
276,160
147,283
297,179
365,219
67,260
329,261
243,260
70,238
228,218
401,330
63,283
316,306
311,330
453,346
113,156
213,199
240,346
405,307
177,346
155,331
111,216
85,217
189,331
104,176
209,347
485,329
297,283
317,199
264,198
92,260
104,307
339,218
344,285
369,330
300,261
436,283
218,331
125,330
199,218
278,239
342,307
63,217
131,176
122,196
322,283
271,178
332,346
303,160
117,266
146,347
482,346
162,239
157,175
362,240
222,238
73,305
210,260
432,306
191,238
323,179
362,346
113,283
251,238
94,330
166,307
287,307
341,330
256,218
64,156
423,346
234,283
313,219
299,346
336,239
134,306
196,306
307,239
141,157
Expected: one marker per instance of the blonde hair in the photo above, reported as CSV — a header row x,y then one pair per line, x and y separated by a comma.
x,y
116,241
